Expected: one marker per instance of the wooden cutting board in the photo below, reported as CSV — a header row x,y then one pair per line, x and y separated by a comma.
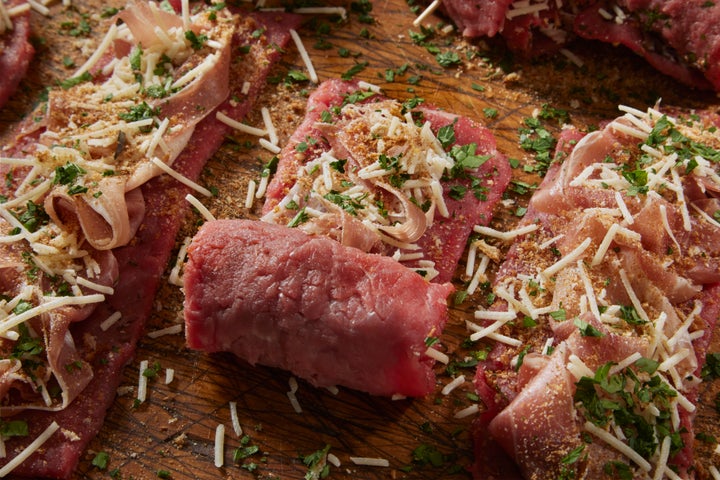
x,y
172,433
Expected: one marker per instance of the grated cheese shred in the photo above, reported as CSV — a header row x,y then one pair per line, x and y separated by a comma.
x,y
29,450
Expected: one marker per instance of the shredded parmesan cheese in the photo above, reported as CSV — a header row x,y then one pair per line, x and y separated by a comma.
x,y
219,445
171,330
619,446
142,382
371,462
29,450
110,321
437,355
200,207
505,236
304,55
426,13
456,382
467,411
179,177
567,259
235,420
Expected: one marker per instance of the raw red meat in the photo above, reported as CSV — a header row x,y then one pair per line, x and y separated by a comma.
x,y
331,314
679,38
444,241
141,264
16,51
533,410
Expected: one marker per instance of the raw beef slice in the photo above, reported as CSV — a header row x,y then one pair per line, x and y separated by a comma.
x,y
331,314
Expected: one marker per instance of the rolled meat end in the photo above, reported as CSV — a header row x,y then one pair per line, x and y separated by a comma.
x,y
330,314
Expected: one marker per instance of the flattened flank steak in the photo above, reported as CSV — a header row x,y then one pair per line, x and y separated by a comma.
x,y
386,178
616,269
348,272
89,219
16,52
276,296
677,37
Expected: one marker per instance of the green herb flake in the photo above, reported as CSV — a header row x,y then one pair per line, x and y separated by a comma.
x,y
357,97
448,59
241,453
711,368
617,469
354,70
71,82
196,41
13,428
316,463
630,315
586,329
299,218
346,202
446,134
34,217
101,460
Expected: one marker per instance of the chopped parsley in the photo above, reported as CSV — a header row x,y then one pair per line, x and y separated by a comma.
x,y
101,460
71,82
535,138
299,218
13,428
446,135
358,96
448,59
630,315
618,469
139,112
67,175
196,41
34,217
711,368
638,181
466,159
621,398
317,464
346,202
669,139
586,329
354,70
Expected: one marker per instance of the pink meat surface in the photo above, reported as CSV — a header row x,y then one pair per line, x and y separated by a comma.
x,y
531,411
444,241
141,266
15,54
679,38
330,314
479,18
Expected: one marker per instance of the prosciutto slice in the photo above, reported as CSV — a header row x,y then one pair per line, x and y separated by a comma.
x,y
108,221
139,265
427,226
108,213
276,296
609,276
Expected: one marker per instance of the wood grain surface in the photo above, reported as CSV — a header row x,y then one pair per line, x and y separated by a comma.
x,y
173,431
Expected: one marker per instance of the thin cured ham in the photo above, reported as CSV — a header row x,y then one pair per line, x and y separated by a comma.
x,y
52,253
174,95
606,381
367,171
